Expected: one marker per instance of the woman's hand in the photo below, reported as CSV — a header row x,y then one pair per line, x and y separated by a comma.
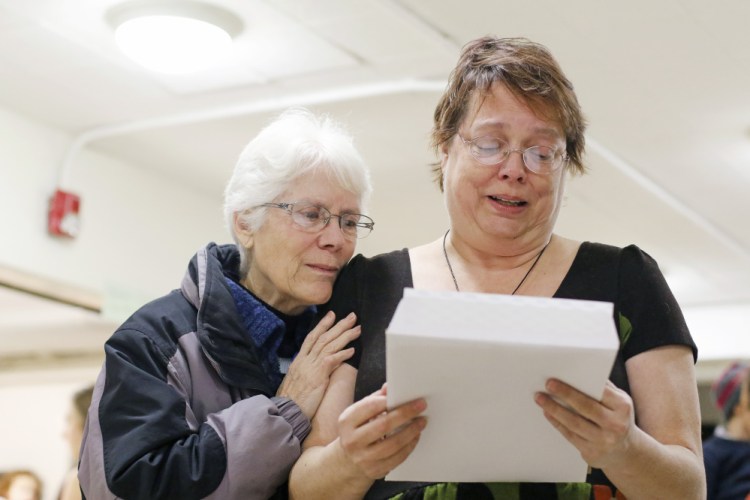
x,y
376,440
600,430
321,353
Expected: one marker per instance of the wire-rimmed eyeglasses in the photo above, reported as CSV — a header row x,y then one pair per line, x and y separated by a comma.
x,y
492,151
312,218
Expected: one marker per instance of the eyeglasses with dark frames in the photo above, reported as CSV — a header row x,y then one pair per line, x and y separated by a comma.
x,y
312,218
492,151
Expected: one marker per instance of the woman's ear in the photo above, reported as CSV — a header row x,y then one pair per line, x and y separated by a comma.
x,y
242,231
443,155
443,162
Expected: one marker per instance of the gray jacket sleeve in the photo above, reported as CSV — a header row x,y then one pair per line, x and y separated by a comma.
x,y
278,442
164,427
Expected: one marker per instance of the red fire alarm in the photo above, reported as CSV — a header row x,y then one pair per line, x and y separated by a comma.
x,y
63,217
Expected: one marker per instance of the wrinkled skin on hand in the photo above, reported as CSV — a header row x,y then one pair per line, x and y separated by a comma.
x,y
322,351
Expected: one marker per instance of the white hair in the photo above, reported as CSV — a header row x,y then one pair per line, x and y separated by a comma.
x,y
297,142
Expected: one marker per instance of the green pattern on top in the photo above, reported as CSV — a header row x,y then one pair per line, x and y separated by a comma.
x,y
441,491
501,491
625,328
573,491
511,491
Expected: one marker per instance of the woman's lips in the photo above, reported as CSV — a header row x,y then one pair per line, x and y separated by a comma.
x,y
324,269
508,202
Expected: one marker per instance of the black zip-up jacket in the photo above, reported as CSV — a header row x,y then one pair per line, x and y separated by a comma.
x,y
183,408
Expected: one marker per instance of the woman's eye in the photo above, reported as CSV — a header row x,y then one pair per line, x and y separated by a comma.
x,y
350,222
311,214
488,146
543,153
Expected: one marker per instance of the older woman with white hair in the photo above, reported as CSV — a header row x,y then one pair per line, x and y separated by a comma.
x,y
209,390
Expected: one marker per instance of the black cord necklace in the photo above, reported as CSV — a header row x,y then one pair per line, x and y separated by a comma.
x,y
455,283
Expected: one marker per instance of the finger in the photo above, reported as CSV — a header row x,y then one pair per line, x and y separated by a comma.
x,y
333,333
400,437
394,449
576,400
390,422
346,337
565,417
568,434
334,360
323,326
614,397
363,411
382,467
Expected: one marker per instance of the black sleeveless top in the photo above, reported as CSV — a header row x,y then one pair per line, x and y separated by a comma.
x,y
646,315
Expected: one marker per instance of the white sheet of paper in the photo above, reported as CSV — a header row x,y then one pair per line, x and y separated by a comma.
x,y
479,359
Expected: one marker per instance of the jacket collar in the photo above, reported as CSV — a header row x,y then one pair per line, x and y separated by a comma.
x,y
220,328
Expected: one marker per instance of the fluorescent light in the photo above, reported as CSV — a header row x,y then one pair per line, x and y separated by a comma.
x,y
173,45
174,37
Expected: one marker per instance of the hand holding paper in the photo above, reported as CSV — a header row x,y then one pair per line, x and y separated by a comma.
x,y
376,441
597,429
479,360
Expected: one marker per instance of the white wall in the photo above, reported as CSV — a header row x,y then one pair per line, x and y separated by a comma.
x,y
137,229
32,420
138,232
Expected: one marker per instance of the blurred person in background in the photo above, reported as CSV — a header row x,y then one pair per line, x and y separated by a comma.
x,y
726,454
209,391
20,484
75,418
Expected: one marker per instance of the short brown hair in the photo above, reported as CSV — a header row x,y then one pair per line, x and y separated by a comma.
x,y
530,73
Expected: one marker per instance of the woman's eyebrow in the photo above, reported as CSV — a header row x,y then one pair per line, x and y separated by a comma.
x,y
545,131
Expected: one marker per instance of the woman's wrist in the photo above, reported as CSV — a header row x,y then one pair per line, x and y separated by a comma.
x,y
355,480
325,471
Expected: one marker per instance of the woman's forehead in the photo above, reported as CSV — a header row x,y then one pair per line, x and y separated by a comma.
x,y
495,108
319,188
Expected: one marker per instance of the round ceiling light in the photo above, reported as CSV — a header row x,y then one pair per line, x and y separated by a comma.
x,y
174,36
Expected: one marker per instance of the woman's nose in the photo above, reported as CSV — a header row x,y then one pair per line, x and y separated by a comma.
x,y
513,167
331,234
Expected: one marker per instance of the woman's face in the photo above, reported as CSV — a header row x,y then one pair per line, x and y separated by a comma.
x,y
23,487
507,200
290,268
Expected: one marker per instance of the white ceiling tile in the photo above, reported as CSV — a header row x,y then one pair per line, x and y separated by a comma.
x,y
315,11
290,50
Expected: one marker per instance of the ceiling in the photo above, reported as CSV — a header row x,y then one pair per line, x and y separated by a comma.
x,y
664,86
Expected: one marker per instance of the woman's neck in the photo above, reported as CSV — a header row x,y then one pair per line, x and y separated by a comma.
x,y
477,270
737,428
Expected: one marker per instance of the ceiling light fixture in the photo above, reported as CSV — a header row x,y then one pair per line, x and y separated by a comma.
x,y
174,36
